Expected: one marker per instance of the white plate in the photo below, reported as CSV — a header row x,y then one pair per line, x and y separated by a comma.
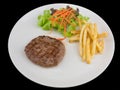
x,y
71,71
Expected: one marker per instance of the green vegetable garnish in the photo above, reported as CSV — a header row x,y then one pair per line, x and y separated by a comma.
x,y
59,22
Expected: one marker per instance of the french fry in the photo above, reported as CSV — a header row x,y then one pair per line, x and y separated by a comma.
x,y
90,32
74,32
95,31
88,59
90,41
80,41
74,38
100,46
102,35
91,44
96,50
93,50
84,44
101,43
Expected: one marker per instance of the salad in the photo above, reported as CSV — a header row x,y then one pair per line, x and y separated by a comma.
x,y
63,20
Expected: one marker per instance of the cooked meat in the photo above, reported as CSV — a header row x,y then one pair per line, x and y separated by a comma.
x,y
45,51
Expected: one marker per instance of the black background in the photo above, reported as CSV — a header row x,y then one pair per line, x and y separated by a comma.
x,y
12,11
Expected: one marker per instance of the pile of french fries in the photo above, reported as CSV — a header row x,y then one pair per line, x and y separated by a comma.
x,y
90,41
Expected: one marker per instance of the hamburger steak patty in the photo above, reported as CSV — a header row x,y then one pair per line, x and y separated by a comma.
x,y
45,51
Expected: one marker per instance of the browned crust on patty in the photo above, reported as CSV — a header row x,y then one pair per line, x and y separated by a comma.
x,y
45,51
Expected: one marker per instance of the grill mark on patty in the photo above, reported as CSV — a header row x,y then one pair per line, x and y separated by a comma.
x,y
45,51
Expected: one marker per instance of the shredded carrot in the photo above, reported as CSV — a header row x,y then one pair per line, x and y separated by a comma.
x,y
65,15
58,12
61,38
